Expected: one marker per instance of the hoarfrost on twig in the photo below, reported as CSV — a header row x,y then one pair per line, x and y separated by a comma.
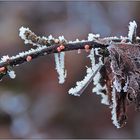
x,y
132,30
59,61
81,85
114,112
98,88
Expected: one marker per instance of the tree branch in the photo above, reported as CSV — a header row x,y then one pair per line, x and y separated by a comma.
x,y
44,46
44,50
119,56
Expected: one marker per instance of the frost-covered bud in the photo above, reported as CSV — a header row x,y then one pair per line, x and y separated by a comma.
x,y
58,49
28,58
22,31
87,48
62,47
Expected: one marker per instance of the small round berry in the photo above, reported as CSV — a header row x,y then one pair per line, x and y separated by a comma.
x,y
28,58
62,47
2,69
86,48
58,49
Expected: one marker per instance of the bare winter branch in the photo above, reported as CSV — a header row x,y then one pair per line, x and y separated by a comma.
x,y
44,50
115,66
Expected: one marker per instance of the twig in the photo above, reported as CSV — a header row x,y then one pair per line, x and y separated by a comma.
x,y
41,51
44,50
118,55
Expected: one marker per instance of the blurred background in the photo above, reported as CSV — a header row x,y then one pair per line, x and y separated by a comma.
x,y
34,105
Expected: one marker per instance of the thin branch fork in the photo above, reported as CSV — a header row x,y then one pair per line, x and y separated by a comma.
x,y
35,52
103,47
44,46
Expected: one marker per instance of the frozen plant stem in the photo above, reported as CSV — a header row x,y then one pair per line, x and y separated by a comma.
x,y
59,60
81,86
44,50
41,48
115,66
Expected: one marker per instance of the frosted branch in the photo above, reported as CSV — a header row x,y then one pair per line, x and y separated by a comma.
x,y
112,61
81,85
132,31
59,60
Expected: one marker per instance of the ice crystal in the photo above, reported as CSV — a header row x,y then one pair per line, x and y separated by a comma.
x,y
59,61
5,58
132,29
12,74
61,38
91,36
